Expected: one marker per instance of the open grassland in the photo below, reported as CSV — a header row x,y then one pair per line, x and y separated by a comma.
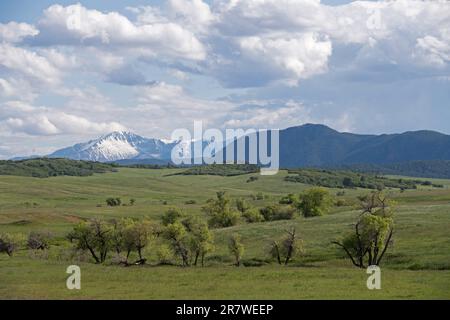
x,y
418,265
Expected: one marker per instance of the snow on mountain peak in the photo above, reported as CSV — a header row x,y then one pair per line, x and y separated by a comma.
x,y
115,146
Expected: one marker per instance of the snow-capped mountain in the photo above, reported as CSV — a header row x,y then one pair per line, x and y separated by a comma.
x,y
118,146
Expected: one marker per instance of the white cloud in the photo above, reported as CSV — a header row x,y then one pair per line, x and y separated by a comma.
x,y
76,25
16,32
28,64
295,58
195,14
19,117
433,51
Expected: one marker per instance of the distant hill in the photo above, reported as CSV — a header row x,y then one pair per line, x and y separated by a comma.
x,y
44,168
424,168
318,145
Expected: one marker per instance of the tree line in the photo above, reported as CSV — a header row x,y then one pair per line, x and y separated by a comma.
x,y
190,239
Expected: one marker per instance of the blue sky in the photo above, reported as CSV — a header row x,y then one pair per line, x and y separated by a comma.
x,y
71,71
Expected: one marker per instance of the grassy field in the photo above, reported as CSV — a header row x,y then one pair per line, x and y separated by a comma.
x,y
418,265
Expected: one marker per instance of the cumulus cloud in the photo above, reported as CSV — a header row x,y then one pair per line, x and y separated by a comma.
x,y
77,25
16,32
28,64
18,117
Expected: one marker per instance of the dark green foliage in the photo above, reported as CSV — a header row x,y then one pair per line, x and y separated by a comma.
x,y
348,179
277,212
47,167
420,168
113,202
222,170
252,179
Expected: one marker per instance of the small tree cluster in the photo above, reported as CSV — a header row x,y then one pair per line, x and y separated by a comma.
x,y
249,213
99,237
220,212
188,236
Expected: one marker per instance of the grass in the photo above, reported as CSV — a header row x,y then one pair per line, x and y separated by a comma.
x,y
417,267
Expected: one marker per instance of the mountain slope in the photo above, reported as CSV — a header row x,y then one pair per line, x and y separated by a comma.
x,y
308,145
117,146
317,145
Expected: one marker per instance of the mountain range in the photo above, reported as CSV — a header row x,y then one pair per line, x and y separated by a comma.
x,y
309,145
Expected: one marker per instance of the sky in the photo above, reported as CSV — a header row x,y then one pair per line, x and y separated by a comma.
x,y
73,71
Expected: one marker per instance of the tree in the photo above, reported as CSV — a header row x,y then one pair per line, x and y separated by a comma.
x,y
38,240
140,236
122,237
287,249
242,205
130,235
236,248
177,235
94,236
200,239
220,213
372,233
314,202
172,215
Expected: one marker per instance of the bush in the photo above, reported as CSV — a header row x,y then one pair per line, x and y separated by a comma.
x,y
38,240
252,179
314,202
289,199
164,254
9,243
113,202
277,212
220,213
253,215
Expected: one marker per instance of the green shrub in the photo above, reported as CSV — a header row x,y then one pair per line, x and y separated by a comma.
x,y
277,212
253,215
314,202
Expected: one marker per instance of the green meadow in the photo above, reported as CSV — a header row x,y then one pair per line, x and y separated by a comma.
x,y
416,267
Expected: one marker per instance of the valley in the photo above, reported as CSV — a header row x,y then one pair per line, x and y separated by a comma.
x,y
416,267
